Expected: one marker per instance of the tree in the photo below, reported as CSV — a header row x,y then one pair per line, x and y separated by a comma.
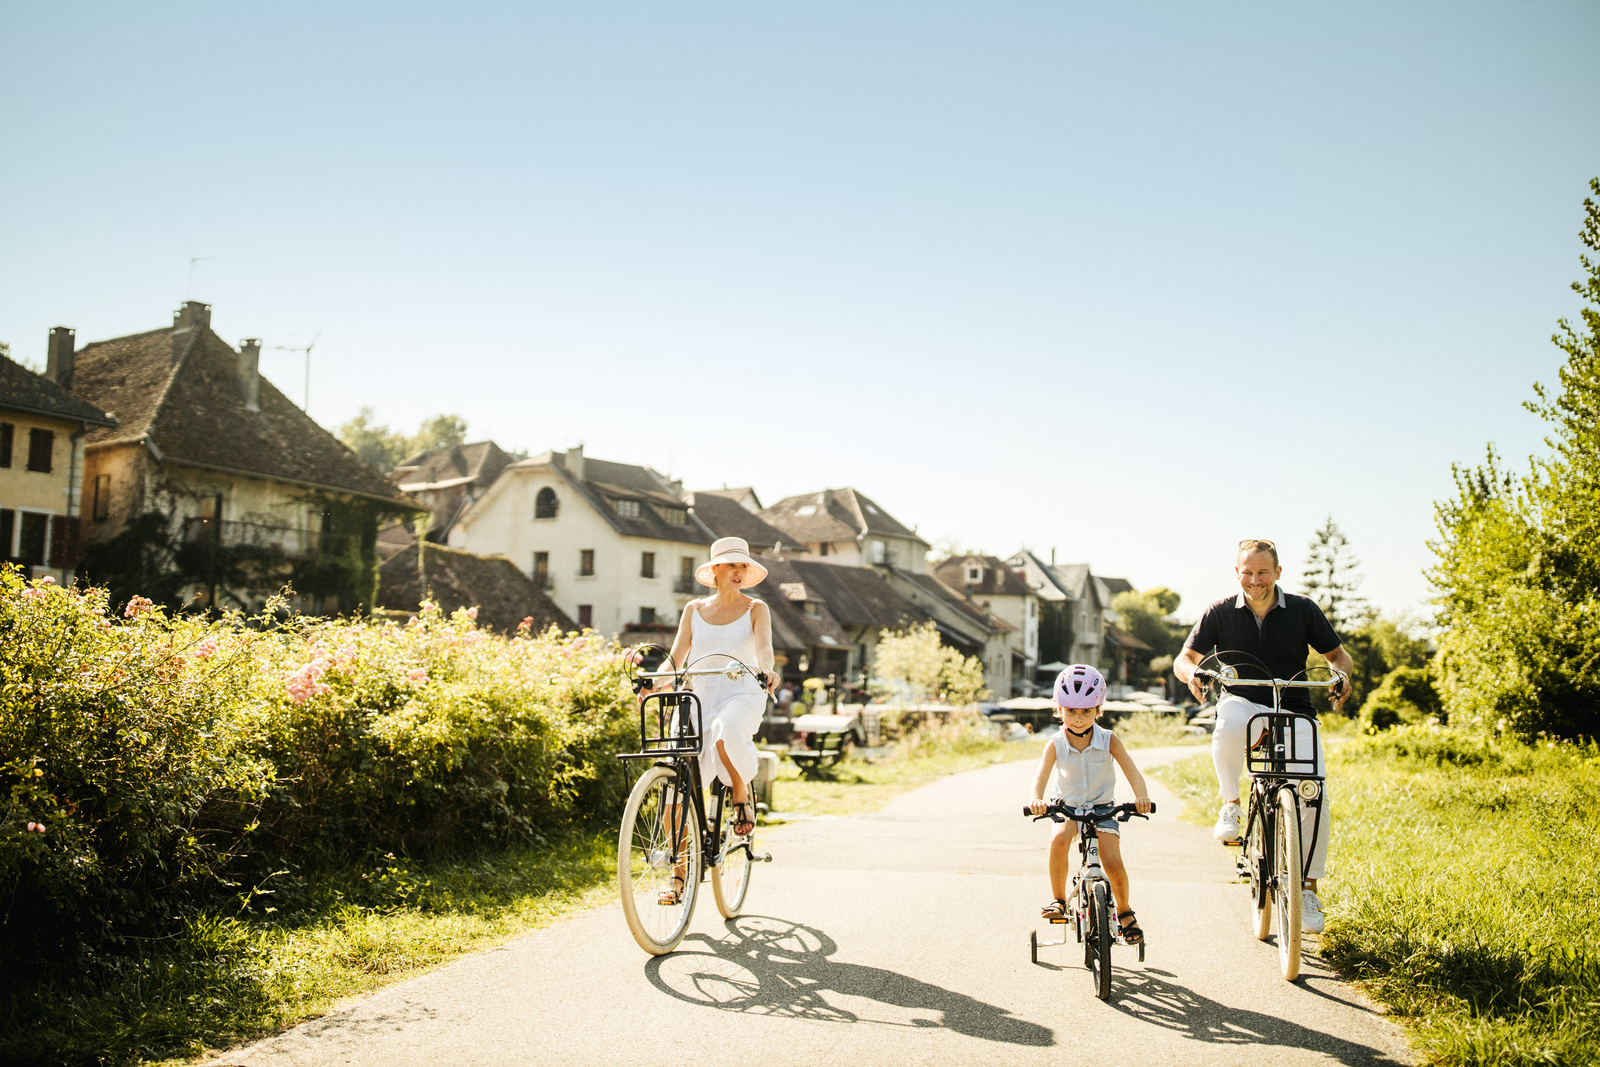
x,y
386,449
916,663
1164,598
1518,574
1331,578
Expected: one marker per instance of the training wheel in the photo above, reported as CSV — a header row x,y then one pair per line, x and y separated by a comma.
x,y
1033,945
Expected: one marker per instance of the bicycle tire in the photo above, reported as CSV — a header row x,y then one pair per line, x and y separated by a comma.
x,y
730,878
1257,851
645,861
1287,890
1101,920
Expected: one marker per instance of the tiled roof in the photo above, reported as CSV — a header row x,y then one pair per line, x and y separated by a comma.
x,y
24,390
503,595
845,597
178,389
1116,635
726,518
605,483
1118,585
834,515
477,464
998,579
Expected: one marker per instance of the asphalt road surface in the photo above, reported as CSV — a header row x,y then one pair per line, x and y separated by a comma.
x,y
899,937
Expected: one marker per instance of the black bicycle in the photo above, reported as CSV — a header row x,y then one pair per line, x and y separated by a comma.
x,y
667,843
1090,893
1282,760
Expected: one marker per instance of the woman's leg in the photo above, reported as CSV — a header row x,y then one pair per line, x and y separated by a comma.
x,y
740,795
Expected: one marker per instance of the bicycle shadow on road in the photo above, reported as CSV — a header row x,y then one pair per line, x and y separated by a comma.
x,y
1149,996
771,966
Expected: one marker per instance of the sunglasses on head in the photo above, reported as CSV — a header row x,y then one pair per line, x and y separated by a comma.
x,y
1256,542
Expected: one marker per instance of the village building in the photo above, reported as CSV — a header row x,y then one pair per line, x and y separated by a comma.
x,y
214,489
844,526
1000,591
505,598
614,545
1077,621
42,431
737,513
449,479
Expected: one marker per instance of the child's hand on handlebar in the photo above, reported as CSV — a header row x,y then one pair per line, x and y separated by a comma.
x,y
1038,807
1143,805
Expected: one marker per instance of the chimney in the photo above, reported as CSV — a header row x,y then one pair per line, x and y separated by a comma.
x,y
185,320
250,373
575,463
62,356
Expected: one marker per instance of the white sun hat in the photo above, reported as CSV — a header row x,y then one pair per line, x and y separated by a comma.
x,y
730,550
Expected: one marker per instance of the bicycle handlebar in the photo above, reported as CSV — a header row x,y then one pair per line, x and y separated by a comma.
x,y
1225,678
1058,811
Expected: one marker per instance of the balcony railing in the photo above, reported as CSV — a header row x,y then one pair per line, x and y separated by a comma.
x,y
685,585
296,544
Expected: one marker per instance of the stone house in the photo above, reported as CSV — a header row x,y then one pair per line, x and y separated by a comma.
x,y
615,545
42,430
214,489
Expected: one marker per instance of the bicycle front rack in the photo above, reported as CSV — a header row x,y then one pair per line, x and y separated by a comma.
x,y
1280,753
674,729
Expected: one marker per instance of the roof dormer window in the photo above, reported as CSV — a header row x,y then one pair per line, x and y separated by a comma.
x,y
974,574
673,516
627,509
809,509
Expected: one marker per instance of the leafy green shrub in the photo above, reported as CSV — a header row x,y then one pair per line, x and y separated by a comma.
x,y
151,765
1406,695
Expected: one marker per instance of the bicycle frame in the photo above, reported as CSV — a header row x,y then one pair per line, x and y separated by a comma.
x,y
1089,869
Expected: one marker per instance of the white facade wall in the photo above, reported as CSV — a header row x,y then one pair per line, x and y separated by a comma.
x,y
502,523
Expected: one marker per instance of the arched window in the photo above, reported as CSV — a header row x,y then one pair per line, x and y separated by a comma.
x,y
545,504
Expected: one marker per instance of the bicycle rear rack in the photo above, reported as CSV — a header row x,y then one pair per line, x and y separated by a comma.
x,y
1279,753
674,729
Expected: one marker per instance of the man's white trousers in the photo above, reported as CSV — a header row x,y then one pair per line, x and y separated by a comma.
x,y
1228,752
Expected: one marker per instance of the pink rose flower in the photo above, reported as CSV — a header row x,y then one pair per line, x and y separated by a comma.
x,y
206,649
137,606
417,674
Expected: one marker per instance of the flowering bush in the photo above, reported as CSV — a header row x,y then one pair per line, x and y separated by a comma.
x,y
148,761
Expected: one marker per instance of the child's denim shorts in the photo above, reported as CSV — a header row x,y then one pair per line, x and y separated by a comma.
x,y
1105,826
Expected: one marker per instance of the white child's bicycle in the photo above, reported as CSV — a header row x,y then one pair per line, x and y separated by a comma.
x,y
1090,893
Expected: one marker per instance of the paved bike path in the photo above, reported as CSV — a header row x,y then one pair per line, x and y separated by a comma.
x,y
899,937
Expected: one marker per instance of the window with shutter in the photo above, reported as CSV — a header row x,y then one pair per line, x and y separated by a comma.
x,y
41,444
102,498
8,532
64,542
31,542
6,432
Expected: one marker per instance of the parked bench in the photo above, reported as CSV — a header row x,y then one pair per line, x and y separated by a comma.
x,y
825,751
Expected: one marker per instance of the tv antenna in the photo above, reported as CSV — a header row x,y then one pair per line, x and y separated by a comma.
x,y
188,289
306,348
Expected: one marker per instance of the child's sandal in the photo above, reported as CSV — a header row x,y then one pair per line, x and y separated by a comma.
x,y
1131,934
1056,909
671,898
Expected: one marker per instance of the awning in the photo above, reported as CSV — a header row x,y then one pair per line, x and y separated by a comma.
x,y
1028,704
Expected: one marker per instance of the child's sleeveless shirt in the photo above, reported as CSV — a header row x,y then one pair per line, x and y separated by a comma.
x,y
1088,778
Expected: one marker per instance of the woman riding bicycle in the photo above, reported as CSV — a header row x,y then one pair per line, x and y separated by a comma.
x,y
728,626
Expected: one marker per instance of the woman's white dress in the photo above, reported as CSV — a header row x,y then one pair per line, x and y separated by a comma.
x,y
731,709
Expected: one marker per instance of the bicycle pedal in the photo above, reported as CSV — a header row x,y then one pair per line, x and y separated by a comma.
x,y
1236,843
765,857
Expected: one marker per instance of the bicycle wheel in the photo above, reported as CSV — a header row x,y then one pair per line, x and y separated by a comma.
x,y
730,878
1286,893
660,838
1100,926
1259,865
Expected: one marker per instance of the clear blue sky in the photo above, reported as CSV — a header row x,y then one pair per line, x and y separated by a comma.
x,y
1127,280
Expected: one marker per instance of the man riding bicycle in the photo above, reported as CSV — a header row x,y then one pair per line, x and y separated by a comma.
x,y
1269,629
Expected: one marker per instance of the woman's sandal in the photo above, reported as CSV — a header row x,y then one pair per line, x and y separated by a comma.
x,y
1056,909
1131,934
743,815
671,898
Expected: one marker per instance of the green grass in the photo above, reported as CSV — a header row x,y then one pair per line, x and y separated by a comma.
x,y
229,978
1146,729
1463,890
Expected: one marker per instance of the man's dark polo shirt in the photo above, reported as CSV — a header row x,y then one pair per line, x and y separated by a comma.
x,y
1279,643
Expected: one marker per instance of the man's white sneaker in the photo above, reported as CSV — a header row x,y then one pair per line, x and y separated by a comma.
x,y
1310,912
1227,828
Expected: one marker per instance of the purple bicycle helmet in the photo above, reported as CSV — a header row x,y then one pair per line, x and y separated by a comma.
x,y
1080,686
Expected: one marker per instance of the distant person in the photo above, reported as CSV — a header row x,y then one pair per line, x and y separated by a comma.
x,y
715,631
1263,623
1081,757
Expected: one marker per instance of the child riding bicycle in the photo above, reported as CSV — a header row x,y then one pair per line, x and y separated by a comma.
x,y
1081,756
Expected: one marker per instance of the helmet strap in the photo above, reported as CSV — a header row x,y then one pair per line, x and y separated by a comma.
x,y
1080,733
